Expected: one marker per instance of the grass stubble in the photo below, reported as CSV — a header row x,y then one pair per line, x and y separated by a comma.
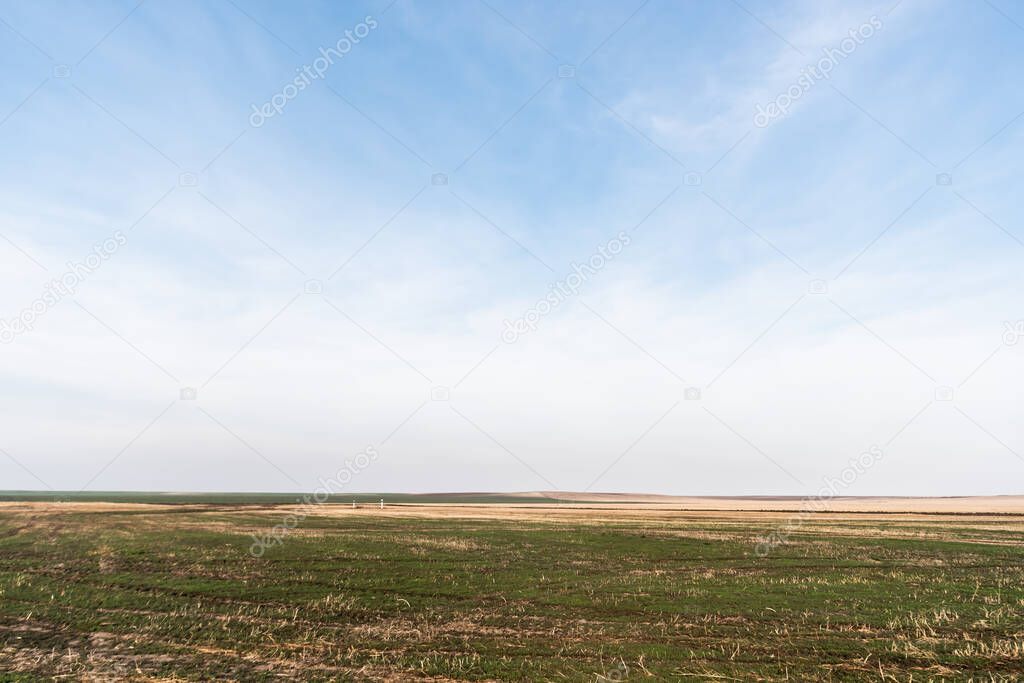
x,y
451,593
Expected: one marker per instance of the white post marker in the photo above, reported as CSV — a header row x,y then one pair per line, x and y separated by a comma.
x,y
381,503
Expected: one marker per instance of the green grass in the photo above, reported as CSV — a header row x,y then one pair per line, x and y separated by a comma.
x,y
249,498
173,593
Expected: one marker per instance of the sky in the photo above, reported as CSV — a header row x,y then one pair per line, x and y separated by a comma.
x,y
681,247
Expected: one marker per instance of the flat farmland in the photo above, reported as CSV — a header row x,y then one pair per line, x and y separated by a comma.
x,y
573,591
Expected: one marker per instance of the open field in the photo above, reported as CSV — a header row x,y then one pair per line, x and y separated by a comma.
x,y
565,592
949,504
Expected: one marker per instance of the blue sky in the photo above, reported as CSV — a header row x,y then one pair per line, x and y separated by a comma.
x,y
816,279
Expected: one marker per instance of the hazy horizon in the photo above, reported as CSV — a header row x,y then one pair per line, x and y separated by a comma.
x,y
340,495
512,246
